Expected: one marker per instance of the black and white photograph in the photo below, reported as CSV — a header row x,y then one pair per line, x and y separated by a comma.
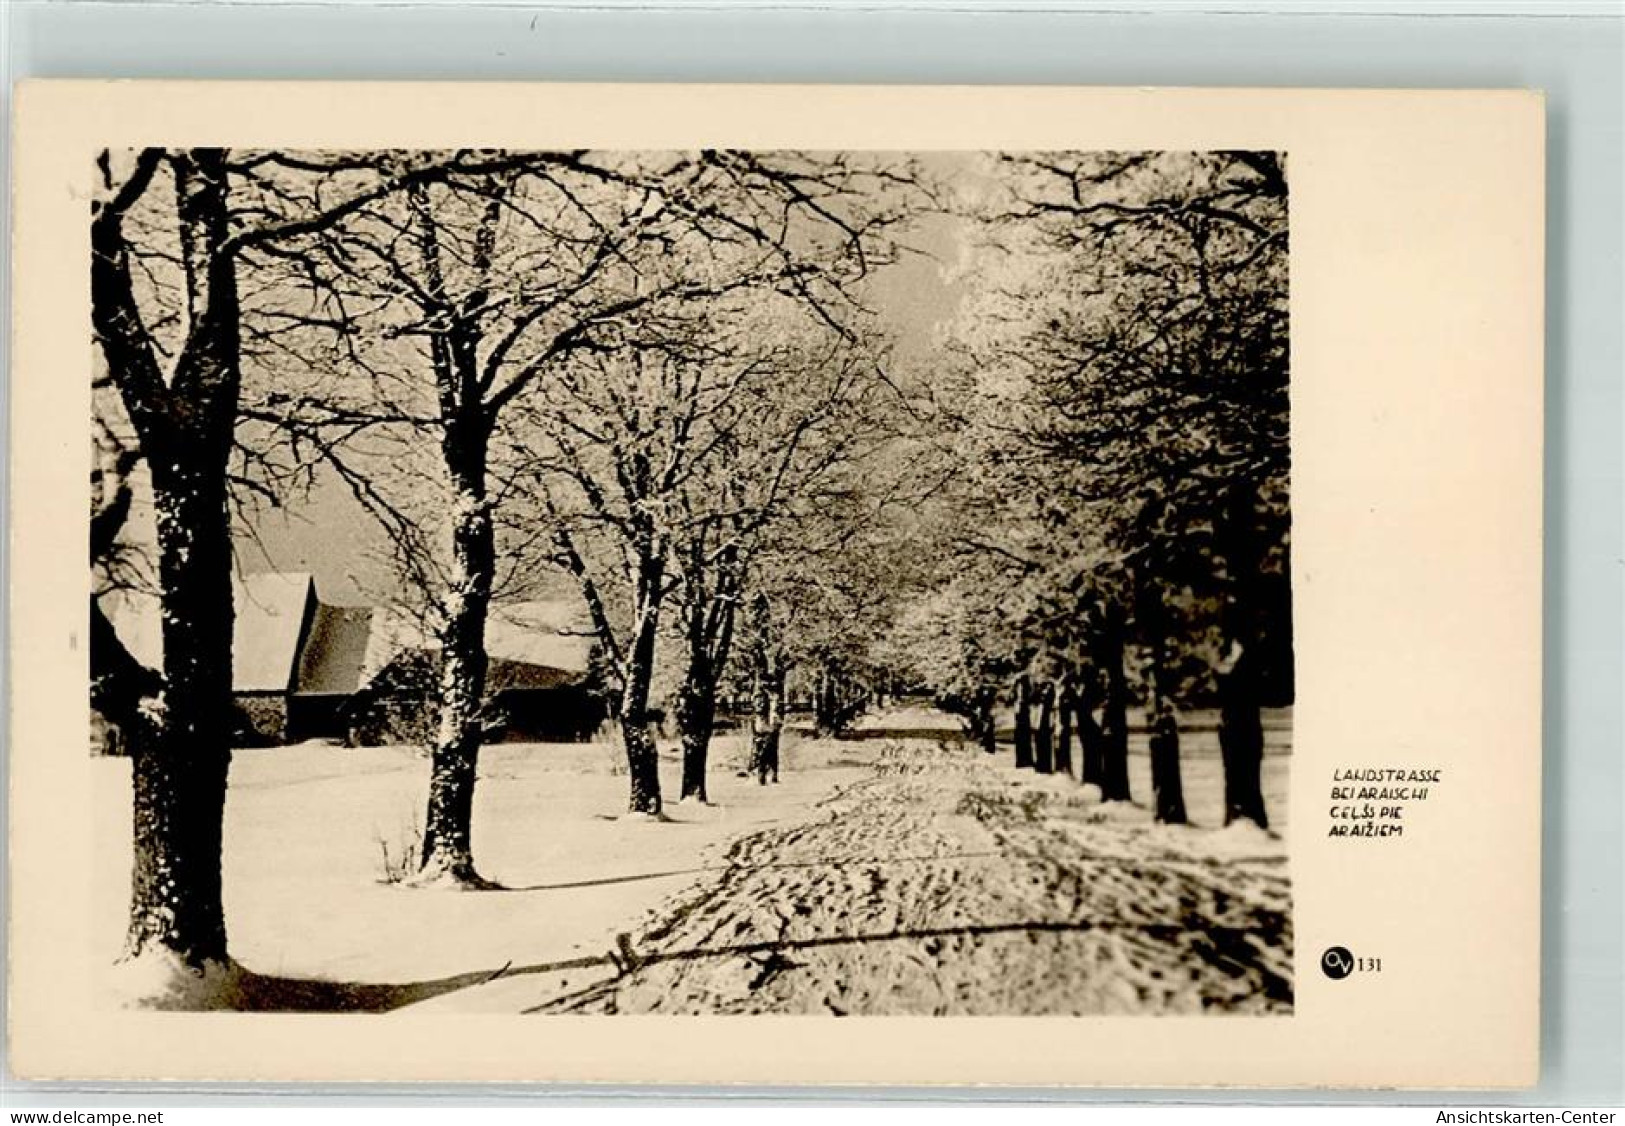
x,y
776,586
700,582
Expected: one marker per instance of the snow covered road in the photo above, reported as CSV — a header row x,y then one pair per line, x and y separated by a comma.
x,y
901,871
947,883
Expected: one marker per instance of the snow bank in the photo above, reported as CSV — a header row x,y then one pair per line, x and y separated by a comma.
x,y
158,979
308,829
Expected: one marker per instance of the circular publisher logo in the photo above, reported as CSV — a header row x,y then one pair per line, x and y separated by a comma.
x,y
1337,963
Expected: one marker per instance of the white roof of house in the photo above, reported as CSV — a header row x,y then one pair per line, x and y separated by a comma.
x,y
285,640
271,611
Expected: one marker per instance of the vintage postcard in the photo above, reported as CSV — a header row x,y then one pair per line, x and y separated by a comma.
x,y
1024,586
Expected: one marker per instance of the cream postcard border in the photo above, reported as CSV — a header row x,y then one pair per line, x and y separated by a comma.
x,y
1417,284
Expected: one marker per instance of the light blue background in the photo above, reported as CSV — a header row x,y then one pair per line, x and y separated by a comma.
x,y
1578,60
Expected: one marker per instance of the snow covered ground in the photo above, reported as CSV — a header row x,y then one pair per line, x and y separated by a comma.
x,y
897,872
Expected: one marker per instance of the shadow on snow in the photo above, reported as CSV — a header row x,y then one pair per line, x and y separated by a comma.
x,y
1225,947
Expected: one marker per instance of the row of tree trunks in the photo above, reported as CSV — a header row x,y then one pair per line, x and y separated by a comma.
x,y
838,699
1063,709
1046,746
1103,743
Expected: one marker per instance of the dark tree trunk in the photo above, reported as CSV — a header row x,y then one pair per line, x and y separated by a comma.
x,y
1166,784
1241,728
987,698
642,763
1114,713
776,746
1066,702
179,775
708,621
454,760
465,439
1241,742
448,825
1165,780
837,701
642,757
696,720
181,754
1091,740
767,721
826,702
767,695
1156,634
1044,736
1024,726
633,664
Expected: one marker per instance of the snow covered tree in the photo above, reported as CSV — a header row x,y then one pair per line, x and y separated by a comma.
x,y
667,451
426,318
1129,350
173,233
789,457
428,321
183,418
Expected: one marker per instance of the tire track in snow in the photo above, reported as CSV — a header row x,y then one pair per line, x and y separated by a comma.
x,y
947,883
